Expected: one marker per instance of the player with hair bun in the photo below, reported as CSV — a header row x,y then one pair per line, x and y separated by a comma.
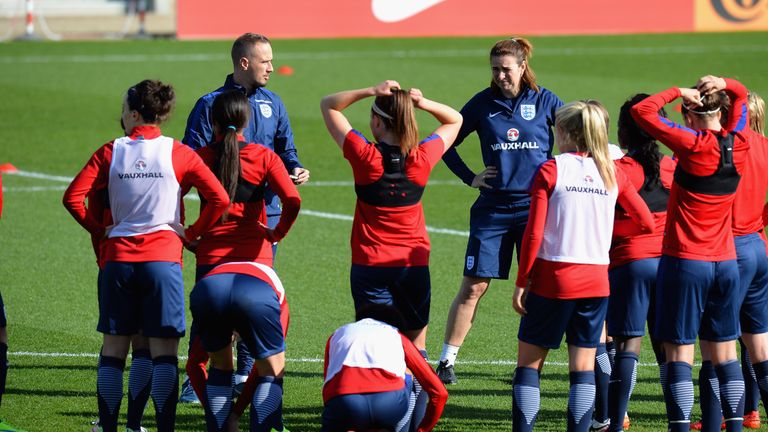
x,y
513,119
142,288
390,245
698,278
562,282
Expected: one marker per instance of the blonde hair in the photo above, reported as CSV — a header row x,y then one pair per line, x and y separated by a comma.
x,y
584,125
756,113
397,113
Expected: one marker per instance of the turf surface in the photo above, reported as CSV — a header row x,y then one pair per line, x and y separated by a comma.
x,y
62,100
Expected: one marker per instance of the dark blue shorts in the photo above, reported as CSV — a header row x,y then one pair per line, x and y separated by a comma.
x,y
368,411
547,320
227,302
142,296
495,231
406,288
753,276
697,298
633,298
3,319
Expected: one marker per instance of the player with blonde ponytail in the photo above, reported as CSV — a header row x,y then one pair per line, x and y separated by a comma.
x,y
562,281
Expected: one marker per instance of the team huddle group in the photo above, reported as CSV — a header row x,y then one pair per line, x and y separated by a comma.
x,y
606,241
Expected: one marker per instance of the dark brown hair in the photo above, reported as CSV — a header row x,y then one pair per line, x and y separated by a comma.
x,y
243,45
229,114
152,99
711,102
641,146
402,123
522,50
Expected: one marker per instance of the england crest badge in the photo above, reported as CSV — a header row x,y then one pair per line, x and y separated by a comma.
x,y
266,110
470,262
528,112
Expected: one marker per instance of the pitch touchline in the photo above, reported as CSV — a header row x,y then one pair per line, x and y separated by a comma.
x,y
323,215
296,360
331,55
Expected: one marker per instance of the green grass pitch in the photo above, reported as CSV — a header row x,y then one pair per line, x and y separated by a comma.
x,y
60,101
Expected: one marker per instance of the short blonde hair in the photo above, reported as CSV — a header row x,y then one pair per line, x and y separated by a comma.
x,y
756,113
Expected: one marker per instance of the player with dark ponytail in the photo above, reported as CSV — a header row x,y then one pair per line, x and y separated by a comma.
x,y
241,236
635,258
142,288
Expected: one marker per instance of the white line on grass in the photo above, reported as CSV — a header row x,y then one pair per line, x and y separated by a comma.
x,y
323,215
373,54
292,360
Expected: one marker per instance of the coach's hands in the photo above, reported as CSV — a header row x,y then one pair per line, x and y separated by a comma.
x,y
518,300
300,176
488,173
710,84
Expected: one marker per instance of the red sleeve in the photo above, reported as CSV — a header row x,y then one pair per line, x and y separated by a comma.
x,y
541,188
429,381
325,358
738,116
95,175
363,157
678,138
635,207
190,170
279,182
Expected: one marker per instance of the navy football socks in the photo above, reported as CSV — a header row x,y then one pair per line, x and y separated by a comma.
x,y
679,396
109,391
218,399
709,398
581,400
751,390
267,405
526,399
165,391
623,378
731,394
602,380
139,386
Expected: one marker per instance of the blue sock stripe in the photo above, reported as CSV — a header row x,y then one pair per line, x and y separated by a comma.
x,y
109,386
219,400
164,383
527,399
581,398
140,376
267,399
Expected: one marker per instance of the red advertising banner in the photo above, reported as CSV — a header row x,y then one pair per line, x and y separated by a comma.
x,y
202,19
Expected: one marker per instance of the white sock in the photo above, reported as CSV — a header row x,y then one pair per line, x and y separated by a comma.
x,y
449,353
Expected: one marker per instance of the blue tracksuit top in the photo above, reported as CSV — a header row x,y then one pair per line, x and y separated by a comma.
x,y
516,136
268,125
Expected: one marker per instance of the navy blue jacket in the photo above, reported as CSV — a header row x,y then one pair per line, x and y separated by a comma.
x,y
516,136
268,125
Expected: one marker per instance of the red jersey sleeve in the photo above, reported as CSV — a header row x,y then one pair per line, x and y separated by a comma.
x,y
429,381
190,170
678,138
635,207
95,175
279,181
363,157
428,153
738,116
541,188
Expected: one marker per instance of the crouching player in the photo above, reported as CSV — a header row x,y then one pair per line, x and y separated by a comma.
x,y
248,298
367,387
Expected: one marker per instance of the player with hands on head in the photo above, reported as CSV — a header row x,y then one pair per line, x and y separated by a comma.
x,y
562,281
390,245
698,288
513,119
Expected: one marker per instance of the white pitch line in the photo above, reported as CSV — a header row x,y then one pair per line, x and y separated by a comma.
x,y
372,54
193,197
296,360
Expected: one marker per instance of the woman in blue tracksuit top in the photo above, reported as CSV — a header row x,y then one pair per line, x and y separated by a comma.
x,y
514,120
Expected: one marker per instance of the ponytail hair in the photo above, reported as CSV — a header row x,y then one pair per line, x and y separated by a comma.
x,y
152,99
522,50
756,113
398,114
641,146
229,114
583,126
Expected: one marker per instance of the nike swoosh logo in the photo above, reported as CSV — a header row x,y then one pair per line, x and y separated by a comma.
x,y
390,11
494,114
